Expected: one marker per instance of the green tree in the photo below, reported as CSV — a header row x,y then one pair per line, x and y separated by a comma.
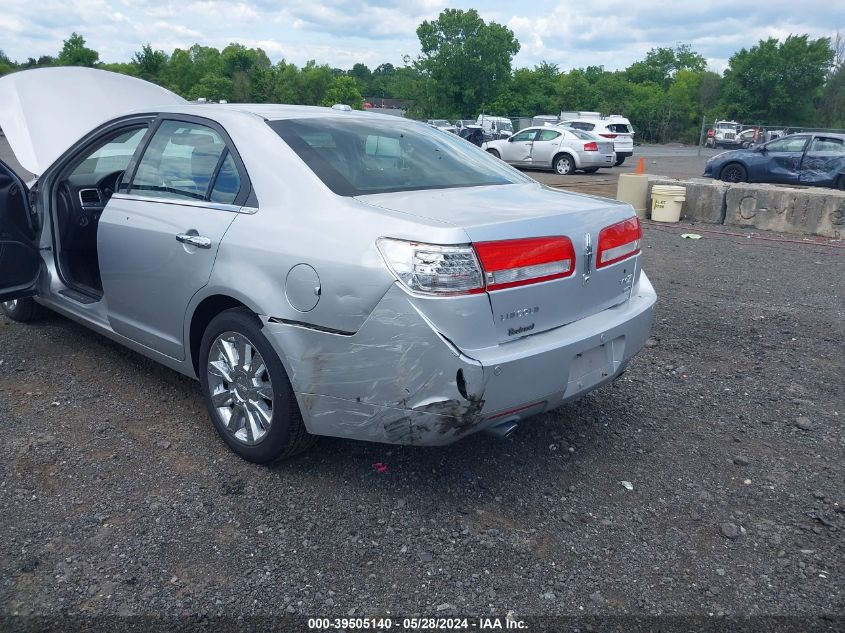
x,y
150,63
776,82
6,64
661,64
363,76
212,87
832,106
468,60
344,90
313,82
75,53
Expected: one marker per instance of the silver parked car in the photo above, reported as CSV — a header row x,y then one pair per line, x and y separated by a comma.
x,y
563,150
320,272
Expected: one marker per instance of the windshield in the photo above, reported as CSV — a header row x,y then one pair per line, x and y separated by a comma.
x,y
361,156
440,123
506,125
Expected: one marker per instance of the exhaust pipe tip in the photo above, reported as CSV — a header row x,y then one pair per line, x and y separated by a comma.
x,y
504,429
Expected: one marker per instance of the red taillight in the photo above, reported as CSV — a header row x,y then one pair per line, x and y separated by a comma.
x,y
618,241
608,135
527,261
592,146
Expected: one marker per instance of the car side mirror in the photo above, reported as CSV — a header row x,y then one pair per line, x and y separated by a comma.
x,y
760,148
510,139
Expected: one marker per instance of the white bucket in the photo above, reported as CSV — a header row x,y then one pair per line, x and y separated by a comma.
x,y
633,189
666,202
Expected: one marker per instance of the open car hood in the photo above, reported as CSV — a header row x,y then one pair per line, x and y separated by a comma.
x,y
45,111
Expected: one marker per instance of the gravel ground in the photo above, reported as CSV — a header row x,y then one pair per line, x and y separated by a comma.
x,y
118,498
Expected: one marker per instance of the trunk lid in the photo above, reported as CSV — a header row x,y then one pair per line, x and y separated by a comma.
x,y
517,211
43,112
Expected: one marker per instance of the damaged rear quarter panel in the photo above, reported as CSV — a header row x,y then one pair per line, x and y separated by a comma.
x,y
395,380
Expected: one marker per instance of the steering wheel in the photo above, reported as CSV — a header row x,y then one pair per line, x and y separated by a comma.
x,y
109,183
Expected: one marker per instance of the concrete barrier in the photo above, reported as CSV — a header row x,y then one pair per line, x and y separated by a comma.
x,y
705,198
815,211
811,211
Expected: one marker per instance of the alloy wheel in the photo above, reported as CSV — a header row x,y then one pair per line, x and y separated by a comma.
x,y
563,166
733,173
240,387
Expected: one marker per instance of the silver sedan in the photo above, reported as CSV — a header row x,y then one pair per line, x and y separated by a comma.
x,y
320,272
563,150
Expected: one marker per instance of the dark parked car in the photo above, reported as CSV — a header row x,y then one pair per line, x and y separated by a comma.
x,y
805,159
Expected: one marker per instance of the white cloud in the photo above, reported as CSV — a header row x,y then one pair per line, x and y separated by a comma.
x,y
612,33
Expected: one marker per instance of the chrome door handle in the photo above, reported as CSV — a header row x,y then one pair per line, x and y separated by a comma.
x,y
194,240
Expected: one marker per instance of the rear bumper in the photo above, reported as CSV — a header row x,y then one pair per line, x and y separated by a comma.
x,y
624,153
398,381
596,159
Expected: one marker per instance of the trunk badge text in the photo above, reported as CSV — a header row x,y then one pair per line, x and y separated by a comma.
x,y
518,314
588,258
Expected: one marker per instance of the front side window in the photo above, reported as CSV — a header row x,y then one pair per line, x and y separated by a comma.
x,y
525,135
358,156
181,162
790,144
113,155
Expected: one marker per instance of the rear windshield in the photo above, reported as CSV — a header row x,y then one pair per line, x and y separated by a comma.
x,y
356,157
584,135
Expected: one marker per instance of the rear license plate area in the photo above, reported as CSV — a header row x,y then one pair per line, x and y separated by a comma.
x,y
591,366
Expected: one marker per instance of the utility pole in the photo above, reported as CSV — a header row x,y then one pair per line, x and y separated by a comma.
x,y
701,135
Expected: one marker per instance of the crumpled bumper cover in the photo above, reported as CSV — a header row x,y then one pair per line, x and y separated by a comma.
x,y
398,381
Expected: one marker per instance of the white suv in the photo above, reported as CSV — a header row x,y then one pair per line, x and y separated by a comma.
x,y
616,128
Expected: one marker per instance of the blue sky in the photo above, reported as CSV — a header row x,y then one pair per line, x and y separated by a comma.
x,y
612,33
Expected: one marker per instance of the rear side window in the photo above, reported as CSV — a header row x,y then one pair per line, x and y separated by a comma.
x,y
227,185
548,135
181,162
619,128
821,144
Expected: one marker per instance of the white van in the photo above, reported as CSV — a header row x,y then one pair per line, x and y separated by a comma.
x,y
614,127
495,127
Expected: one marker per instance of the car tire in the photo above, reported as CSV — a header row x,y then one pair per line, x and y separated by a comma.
x,y
563,165
619,161
733,172
590,170
23,310
239,406
494,153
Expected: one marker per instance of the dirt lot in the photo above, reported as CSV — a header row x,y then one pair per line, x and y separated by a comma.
x,y
117,497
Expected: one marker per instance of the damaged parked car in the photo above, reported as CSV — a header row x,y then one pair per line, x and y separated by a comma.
x,y
799,159
320,272
563,150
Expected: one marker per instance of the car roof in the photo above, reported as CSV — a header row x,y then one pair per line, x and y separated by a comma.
x,y
276,112
825,134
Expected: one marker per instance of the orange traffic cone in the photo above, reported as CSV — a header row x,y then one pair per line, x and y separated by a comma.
x,y
641,165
